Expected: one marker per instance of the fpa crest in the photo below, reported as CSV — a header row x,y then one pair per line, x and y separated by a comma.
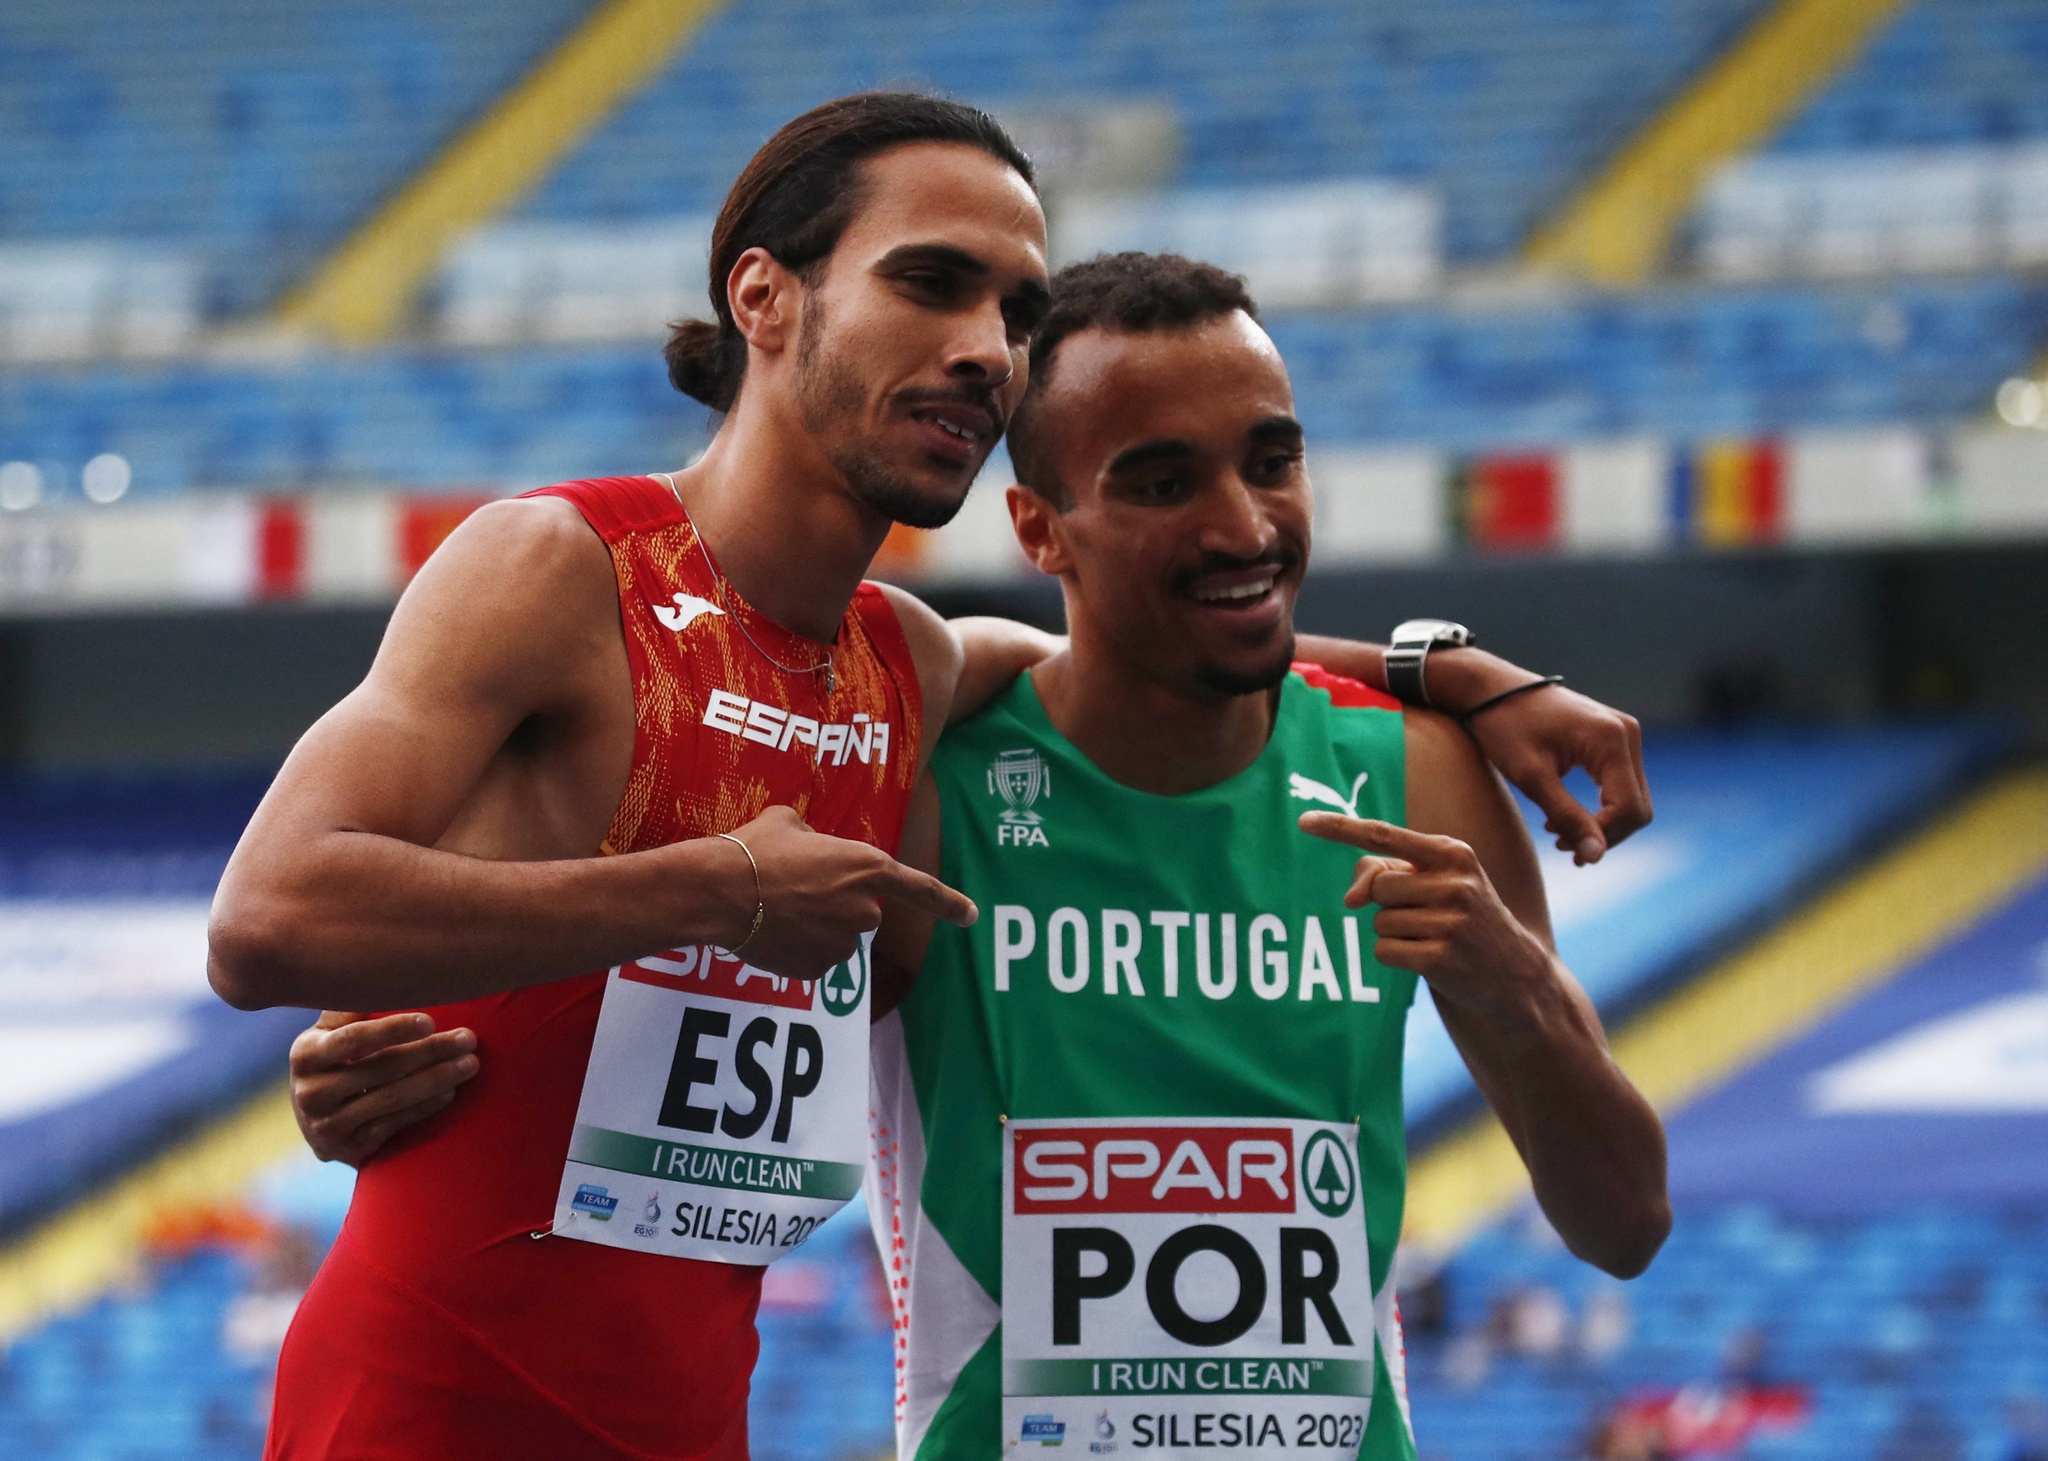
x,y
1020,778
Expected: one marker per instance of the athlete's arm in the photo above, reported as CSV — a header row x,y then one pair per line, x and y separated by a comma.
x,y
900,943
1532,739
1461,904
993,653
338,896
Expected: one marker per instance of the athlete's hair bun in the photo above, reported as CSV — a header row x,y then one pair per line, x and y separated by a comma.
x,y
705,362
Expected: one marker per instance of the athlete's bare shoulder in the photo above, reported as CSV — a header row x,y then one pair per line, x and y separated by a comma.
x,y
522,587
935,650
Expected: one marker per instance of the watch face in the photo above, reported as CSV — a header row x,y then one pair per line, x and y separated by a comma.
x,y
1436,633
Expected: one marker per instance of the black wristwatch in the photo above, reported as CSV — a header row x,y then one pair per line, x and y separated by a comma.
x,y
1408,650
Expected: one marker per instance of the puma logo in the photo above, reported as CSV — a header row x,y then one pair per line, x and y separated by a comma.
x,y
1308,789
687,611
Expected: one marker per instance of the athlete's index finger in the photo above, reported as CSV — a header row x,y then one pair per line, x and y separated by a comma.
x,y
353,1042
1419,848
924,893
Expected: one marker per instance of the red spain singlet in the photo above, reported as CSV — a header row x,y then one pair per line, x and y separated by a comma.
x,y
440,1327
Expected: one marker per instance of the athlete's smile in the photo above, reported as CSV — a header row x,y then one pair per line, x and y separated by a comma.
x,y
955,431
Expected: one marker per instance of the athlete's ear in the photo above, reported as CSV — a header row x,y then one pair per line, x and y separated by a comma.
x,y
1041,530
766,300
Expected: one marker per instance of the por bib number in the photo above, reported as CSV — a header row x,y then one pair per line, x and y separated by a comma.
x,y
723,1113
1185,1287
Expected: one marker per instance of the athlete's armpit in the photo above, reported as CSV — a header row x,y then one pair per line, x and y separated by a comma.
x,y
905,934
935,650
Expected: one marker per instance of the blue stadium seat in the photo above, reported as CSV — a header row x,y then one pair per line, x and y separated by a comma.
x,y
1684,363
1503,104
1945,73
255,134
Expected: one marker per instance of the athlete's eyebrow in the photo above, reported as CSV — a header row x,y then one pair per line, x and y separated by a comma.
x,y
1032,294
1278,428
1145,453
933,256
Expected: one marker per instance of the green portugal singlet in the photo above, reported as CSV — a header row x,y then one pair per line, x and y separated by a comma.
x,y
1139,1157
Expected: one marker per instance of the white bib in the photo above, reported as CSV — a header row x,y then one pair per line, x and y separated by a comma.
x,y
1185,1287
724,1110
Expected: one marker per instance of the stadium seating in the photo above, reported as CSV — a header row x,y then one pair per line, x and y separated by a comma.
x,y
1680,363
250,135
1502,104
1945,73
176,1367
1930,1317
1927,153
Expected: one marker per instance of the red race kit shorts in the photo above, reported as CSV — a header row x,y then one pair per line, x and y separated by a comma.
x,y
449,1322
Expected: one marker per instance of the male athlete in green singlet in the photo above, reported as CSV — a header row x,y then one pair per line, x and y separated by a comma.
x,y
1140,1160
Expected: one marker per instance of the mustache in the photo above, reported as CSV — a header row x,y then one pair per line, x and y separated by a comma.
x,y
982,398
1282,558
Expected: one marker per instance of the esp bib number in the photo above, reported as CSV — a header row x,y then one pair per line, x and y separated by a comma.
x,y
1185,1287
724,1110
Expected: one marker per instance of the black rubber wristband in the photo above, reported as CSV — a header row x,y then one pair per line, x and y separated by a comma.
x,y
1464,717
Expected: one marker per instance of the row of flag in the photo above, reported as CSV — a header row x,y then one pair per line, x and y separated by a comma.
x,y
1722,494
1374,504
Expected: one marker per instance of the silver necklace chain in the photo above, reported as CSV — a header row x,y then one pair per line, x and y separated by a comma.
x,y
823,666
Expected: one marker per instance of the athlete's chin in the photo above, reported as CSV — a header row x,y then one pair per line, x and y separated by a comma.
x,y
918,498
1245,674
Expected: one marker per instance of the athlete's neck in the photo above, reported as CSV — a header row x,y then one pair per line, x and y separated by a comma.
x,y
788,534
1145,734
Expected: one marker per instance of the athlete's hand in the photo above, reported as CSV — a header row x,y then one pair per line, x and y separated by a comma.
x,y
821,893
357,1082
1535,739
1439,916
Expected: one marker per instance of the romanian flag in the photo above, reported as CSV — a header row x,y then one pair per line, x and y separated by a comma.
x,y
1730,494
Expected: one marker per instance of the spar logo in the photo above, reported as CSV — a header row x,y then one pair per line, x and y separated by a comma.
x,y
1154,1169
844,985
708,969
1327,1176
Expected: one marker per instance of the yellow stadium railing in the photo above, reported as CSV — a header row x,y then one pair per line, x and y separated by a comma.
x,y
1851,940
74,1257
1618,229
365,289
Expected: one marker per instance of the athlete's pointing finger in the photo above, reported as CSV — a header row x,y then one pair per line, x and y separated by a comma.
x,y
923,893
1419,848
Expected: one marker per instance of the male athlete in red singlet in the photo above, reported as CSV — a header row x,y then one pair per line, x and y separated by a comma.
x,y
630,725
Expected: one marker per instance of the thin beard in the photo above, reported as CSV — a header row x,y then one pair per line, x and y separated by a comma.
x,y
824,390
1223,682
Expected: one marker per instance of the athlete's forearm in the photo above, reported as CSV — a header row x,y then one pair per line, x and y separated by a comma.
x,y
995,652
1593,1145
1458,678
351,920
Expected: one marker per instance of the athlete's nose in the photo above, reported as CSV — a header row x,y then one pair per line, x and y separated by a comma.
x,y
981,352
1237,523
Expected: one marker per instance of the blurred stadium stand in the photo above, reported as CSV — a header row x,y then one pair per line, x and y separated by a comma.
x,y
239,136
1860,1267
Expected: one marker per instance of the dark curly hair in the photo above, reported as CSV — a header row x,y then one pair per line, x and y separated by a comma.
x,y
795,198
1129,294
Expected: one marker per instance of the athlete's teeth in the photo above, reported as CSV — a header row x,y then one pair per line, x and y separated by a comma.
x,y
1243,591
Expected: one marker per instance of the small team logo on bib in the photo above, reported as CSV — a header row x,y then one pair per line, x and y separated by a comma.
x,y
844,985
1020,778
1327,1179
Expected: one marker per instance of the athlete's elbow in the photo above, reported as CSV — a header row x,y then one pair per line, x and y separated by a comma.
x,y
248,960
1632,1237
